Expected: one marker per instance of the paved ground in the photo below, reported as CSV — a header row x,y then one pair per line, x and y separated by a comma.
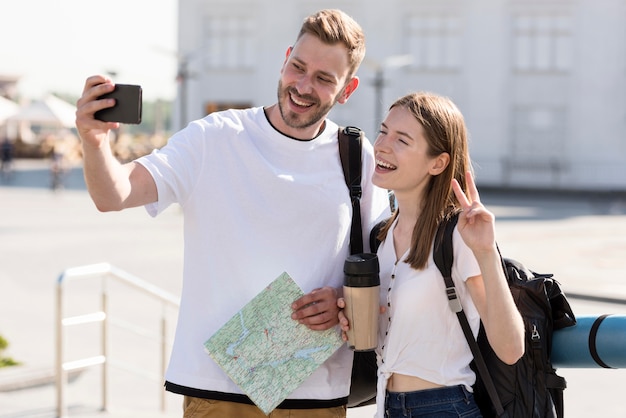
x,y
579,237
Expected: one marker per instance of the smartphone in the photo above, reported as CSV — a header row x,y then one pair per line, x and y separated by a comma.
x,y
127,108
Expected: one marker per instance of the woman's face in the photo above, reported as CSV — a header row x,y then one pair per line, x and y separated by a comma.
x,y
403,163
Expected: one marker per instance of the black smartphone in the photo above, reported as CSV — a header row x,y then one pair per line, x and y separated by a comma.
x,y
127,107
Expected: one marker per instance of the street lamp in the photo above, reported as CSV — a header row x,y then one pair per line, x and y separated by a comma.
x,y
183,74
395,61
182,77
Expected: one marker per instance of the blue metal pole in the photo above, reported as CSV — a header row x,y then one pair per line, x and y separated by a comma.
x,y
595,341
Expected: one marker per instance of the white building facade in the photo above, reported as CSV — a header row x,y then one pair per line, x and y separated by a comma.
x,y
541,83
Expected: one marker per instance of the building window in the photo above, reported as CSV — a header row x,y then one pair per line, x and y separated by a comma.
x,y
434,42
228,42
542,43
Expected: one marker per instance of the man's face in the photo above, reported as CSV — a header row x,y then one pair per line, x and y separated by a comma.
x,y
313,79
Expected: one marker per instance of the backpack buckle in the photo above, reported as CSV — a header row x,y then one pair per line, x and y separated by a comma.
x,y
356,191
453,300
352,130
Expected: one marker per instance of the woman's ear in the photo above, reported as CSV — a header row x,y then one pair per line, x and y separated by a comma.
x,y
440,163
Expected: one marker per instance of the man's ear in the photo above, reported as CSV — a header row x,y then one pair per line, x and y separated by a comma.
x,y
350,87
440,163
287,53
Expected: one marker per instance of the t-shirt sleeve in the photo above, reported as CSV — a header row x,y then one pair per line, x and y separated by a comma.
x,y
175,168
465,264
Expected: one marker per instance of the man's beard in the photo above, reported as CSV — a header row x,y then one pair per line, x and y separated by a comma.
x,y
299,121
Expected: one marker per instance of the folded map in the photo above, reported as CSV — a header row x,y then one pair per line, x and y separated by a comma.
x,y
265,352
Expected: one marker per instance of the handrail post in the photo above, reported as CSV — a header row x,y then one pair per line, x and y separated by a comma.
x,y
61,374
163,351
105,351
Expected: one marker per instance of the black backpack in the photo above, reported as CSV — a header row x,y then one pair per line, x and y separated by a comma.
x,y
529,388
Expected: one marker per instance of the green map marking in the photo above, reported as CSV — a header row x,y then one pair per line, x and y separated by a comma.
x,y
265,352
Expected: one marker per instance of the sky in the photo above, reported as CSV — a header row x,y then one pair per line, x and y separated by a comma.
x,y
54,45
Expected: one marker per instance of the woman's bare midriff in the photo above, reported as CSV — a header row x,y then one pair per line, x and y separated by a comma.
x,y
403,383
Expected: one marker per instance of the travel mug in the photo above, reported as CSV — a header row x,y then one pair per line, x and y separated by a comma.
x,y
361,288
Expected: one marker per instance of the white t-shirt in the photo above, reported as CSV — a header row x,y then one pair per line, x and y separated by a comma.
x,y
419,335
255,203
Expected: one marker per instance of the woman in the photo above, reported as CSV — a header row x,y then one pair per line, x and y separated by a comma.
x,y
423,357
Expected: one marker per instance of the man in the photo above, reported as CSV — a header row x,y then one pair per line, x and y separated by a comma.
x,y
262,192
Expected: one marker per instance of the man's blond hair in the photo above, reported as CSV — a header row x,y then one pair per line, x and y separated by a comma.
x,y
333,26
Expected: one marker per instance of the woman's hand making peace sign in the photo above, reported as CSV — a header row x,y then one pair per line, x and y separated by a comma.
x,y
476,224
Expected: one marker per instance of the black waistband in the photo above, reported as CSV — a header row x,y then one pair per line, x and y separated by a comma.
x,y
238,398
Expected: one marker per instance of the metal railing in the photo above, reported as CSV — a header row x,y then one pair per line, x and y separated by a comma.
x,y
106,273
597,298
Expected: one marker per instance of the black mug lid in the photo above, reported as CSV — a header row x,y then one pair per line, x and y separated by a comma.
x,y
361,270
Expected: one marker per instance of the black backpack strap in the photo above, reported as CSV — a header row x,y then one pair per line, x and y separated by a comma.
x,y
443,256
363,377
350,142
374,241
593,350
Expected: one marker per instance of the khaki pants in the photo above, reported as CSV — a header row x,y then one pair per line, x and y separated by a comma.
x,y
209,408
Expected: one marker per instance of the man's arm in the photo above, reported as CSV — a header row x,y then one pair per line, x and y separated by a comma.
x,y
112,185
